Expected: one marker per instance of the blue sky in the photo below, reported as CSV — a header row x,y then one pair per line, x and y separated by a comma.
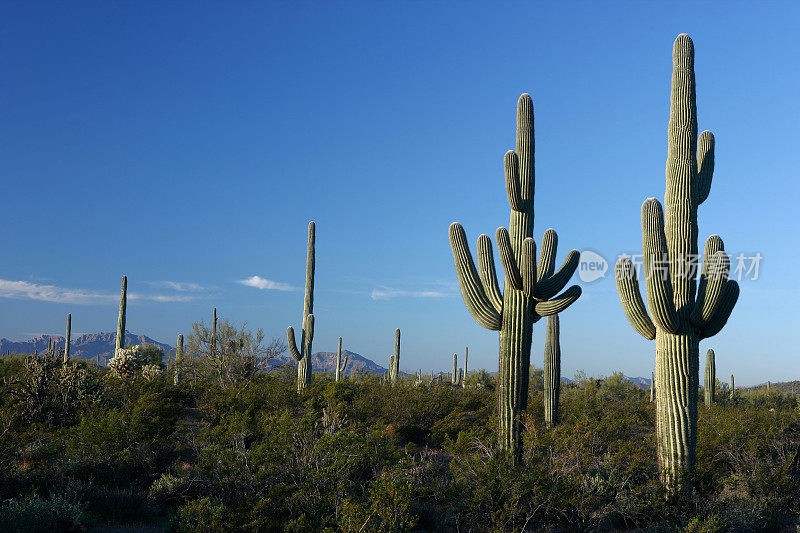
x,y
191,143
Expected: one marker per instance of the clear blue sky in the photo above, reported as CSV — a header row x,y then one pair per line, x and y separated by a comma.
x,y
192,142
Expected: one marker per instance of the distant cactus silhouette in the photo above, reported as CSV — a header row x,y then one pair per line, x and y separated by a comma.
x,y
710,384
733,388
682,311
466,361
652,387
530,290
303,355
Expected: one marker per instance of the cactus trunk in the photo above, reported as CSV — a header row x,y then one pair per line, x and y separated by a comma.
x,y
454,375
394,361
710,384
123,300
303,355
552,371
214,334
733,387
67,337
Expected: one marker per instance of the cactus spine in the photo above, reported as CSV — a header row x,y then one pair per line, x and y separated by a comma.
x,y
339,363
178,359
303,355
123,300
682,312
733,387
529,290
652,387
67,337
711,378
552,371
394,360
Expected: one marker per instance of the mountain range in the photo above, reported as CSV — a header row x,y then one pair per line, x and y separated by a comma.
x,y
92,345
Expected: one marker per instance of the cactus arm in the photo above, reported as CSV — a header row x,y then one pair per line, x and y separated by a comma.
x,y
716,279
718,320
631,299
472,290
293,351
559,303
528,265
508,260
488,274
511,168
680,198
713,245
547,255
656,268
551,286
705,165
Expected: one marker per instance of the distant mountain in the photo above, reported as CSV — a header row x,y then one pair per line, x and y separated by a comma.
x,y
87,346
326,362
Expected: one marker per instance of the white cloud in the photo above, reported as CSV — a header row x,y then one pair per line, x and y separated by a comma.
x,y
180,286
25,290
385,293
265,284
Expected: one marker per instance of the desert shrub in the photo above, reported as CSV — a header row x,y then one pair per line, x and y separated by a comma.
x,y
33,514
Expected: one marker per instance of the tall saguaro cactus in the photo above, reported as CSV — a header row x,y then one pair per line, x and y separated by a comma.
x,y
552,370
340,365
303,355
682,312
394,360
179,360
709,389
529,289
733,388
123,300
67,337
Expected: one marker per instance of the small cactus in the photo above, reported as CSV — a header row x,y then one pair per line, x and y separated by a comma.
x,y
178,360
394,360
711,378
303,355
123,300
340,365
67,338
454,375
733,388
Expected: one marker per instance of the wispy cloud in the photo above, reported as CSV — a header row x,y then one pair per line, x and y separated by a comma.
x,y
180,286
265,284
25,290
386,293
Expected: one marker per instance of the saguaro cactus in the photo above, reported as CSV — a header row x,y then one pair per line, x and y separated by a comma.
x,y
454,375
710,384
394,360
552,370
123,300
214,334
179,360
733,388
340,365
67,337
466,361
303,355
682,313
529,289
